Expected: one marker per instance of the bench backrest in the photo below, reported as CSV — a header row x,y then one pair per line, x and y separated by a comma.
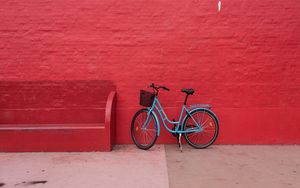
x,y
53,102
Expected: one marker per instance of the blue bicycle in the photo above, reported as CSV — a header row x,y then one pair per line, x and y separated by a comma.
x,y
198,124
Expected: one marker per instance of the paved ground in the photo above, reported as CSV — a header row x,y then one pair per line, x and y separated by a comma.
x,y
125,167
234,166
160,167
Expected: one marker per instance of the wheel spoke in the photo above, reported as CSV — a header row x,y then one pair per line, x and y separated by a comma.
x,y
144,138
193,135
199,136
209,130
151,130
139,121
142,120
148,134
140,135
202,116
202,125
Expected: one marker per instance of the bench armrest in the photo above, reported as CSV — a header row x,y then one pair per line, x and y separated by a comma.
x,y
110,118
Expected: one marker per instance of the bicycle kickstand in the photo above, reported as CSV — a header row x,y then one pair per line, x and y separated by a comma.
x,y
179,142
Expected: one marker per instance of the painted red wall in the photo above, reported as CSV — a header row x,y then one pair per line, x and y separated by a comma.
x,y
244,60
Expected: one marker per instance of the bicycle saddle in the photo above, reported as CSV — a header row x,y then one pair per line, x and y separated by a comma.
x,y
188,91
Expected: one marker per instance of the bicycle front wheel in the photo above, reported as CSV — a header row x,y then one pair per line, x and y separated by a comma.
x,y
210,128
144,137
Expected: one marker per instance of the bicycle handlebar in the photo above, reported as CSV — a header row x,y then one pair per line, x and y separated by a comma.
x,y
165,88
157,87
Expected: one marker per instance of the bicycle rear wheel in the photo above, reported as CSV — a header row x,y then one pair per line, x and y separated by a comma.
x,y
143,138
210,128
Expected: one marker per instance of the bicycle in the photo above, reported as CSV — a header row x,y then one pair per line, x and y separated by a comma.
x,y
199,126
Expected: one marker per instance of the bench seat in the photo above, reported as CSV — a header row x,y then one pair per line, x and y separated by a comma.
x,y
77,116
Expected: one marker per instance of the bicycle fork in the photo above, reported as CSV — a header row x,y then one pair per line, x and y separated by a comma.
x,y
146,123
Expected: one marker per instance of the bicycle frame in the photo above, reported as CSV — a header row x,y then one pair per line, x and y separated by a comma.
x,y
157,106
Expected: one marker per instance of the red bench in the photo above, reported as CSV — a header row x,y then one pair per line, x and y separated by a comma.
x,y
57,116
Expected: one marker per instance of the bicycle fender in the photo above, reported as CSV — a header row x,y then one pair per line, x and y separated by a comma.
x,y
194,106
206,109
158,125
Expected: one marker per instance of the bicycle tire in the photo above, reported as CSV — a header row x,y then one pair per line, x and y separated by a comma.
x,y
187,136
137,127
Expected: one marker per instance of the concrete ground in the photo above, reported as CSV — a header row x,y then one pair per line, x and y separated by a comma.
x,y
160,167
234,166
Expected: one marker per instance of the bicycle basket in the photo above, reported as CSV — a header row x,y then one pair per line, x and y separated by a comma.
x,y
146,98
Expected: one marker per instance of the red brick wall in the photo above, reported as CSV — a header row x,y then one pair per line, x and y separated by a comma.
x,y
244,60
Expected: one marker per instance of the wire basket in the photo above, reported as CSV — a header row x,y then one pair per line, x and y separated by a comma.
x,y
146,98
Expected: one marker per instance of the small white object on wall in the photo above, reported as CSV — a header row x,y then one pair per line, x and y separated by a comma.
x,y
219,5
